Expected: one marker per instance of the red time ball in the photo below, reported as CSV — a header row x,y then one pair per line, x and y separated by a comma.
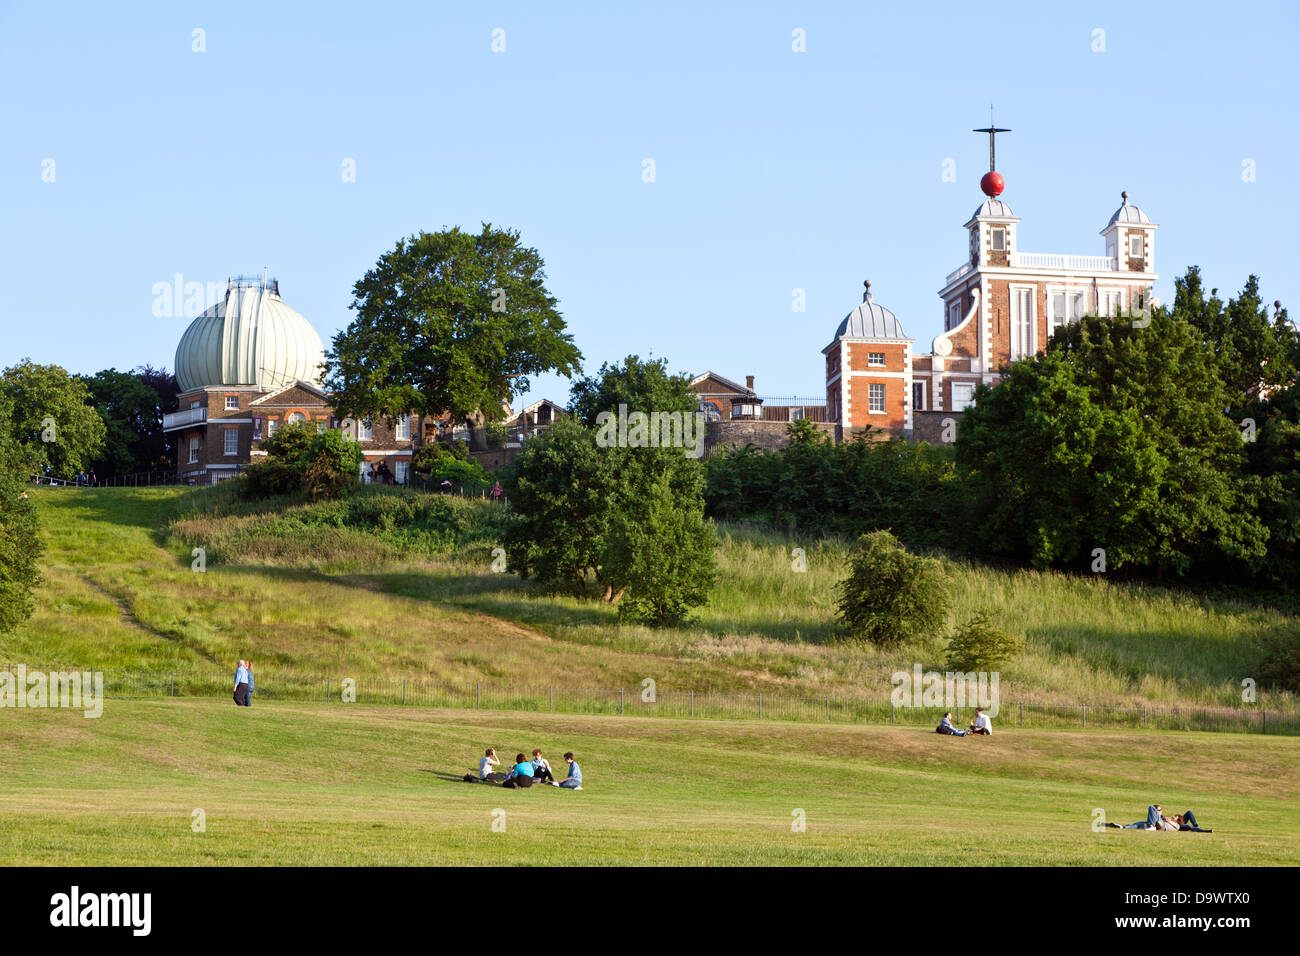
x,y
992,184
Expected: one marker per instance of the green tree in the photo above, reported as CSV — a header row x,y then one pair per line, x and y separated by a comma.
x,y
449,322
301,460
131,406
51,419
20,539
643,386
891,596
664,553
979,644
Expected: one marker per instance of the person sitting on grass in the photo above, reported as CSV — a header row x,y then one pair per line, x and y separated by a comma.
x,y
542,768
574,780
946,727
982,726
485,765
521,774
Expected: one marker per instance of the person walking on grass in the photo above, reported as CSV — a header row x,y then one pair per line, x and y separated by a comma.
x,y
574,780
241,683
248,699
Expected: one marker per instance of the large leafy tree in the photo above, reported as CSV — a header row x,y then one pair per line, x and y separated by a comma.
x,y
51,419
643,386
1116,438
132,406
449,322
20,540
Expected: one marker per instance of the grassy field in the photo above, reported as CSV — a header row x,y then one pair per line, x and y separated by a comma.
x,y
289,783
301,596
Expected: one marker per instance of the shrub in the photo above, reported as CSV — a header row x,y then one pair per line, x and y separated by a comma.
x,y
981,646
890,595
300,460
1280,667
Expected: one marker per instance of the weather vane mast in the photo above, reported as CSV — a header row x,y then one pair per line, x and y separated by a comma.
x,y
992,183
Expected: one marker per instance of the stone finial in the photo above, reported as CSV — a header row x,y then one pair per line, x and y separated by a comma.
x,y
866,291
1124,195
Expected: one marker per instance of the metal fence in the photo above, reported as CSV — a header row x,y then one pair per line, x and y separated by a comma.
x,y
684,704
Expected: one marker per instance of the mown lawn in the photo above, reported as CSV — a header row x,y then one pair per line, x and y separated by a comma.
x,y
294,783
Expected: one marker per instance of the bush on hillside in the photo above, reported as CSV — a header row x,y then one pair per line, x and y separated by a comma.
x,y
891,596
979,645
301,460
1280,667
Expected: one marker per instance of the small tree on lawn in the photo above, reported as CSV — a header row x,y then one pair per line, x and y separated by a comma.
x,y
891,596
979,645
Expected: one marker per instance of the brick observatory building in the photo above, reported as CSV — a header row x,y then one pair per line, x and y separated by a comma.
x,y
251,363
1000,305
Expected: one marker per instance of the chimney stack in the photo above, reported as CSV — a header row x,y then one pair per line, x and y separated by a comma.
x,y
749,382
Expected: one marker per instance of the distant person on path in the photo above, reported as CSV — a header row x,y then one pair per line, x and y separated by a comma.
x,y
521,774
982,726
542,768
241,683
946,727
248,698
496,491
574,780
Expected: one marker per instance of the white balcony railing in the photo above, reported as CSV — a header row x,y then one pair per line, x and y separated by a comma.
x,y
187,416
1042,260
958,273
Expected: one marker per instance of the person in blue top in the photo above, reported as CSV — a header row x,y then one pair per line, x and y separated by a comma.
x,y
248,698
1152,822
946,727
242,677
521,774
574,780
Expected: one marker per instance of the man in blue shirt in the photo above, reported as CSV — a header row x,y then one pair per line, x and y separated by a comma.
x,y
574,780
241,684
946,727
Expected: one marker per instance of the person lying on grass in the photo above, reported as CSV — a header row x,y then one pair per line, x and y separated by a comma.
x,y
1158,821
521,774
946,727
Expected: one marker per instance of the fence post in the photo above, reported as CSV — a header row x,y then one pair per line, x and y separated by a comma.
x,y
891,710
828,710
403,690
327,687
1265,730
1020,719
173,683
1083,710
1205,718
552,697
760,705
1144,715
620,700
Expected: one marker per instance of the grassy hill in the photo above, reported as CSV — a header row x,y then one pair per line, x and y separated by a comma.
x,y
398,585
335,784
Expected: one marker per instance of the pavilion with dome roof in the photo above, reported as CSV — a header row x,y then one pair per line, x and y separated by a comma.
x,y
251,363
1001,304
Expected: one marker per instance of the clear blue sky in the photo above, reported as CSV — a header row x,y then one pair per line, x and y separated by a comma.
x,y
775,170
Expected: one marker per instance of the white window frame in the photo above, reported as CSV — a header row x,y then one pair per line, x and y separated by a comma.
x,y
1020,324
1135,240
954,315
401,471
271,425
196,404
229,406
403,428
871,359
1104,306
998,239
958,405
194,450
229,433
1053,320
293,418
365,429
918,396
875,389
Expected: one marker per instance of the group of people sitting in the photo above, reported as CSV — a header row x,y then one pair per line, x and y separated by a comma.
x,y
1156,820
524,773
982,727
